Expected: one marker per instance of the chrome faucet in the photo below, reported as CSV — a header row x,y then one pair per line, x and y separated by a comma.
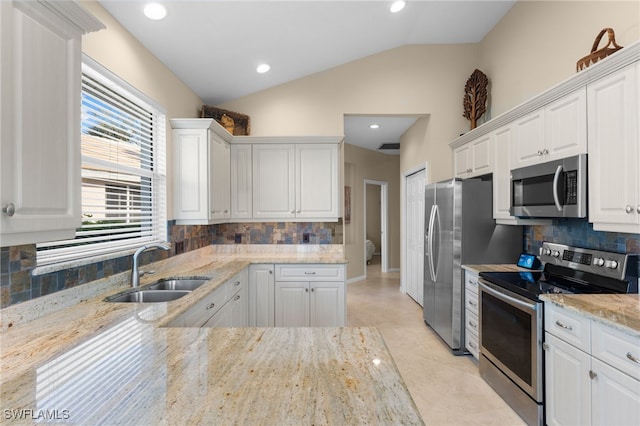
x,y
135,273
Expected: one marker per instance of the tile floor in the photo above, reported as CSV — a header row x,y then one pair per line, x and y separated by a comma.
x,y
447,389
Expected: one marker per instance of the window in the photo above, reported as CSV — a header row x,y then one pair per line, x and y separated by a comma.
x,y
123,171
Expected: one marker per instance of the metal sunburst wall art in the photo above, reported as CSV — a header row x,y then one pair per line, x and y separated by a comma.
x,y
475,97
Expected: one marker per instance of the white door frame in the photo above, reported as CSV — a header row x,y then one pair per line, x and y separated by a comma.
x,y
403,220
383,223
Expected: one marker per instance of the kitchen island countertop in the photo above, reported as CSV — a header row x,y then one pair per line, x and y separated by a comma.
x,y
117,363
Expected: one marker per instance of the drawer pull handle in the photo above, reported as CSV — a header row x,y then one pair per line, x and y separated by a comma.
x,y
211,306
473,324
237,297
471,344
472,303
633,358
309,273
566,327
236,284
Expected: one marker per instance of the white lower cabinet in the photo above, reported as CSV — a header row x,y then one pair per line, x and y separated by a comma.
x,y
227,306
261,295
471,341
592,371
310,295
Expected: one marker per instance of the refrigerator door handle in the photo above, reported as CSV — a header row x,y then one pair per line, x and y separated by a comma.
x,y
435,256
432,218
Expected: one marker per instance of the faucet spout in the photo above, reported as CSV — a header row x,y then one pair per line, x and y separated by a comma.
x,y
135,273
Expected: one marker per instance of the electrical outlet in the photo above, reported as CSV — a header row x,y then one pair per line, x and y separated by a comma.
x,y
238,238
305,237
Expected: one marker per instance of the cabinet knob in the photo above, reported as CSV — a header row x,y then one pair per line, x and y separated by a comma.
x,y
539,153
211,306
545,346
306,290
9,209
592,375
633,358
473,324
292,212
313,289
298,211
237,297
545,151
628,209
638,209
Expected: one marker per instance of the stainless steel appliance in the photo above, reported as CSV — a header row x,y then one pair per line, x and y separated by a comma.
x,y
512,321
552,189
459,228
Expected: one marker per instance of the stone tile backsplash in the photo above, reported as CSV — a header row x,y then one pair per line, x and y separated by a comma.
x,y
579,233
18,284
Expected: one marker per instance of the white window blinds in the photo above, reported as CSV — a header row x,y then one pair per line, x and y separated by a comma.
x,y
123,171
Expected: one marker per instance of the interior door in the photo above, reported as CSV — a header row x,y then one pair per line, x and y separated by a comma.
x,y
415,212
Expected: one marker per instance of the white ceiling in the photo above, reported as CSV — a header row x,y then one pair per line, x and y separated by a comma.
x,y
214,46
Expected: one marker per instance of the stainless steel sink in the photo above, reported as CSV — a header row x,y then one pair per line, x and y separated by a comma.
x,y
148,296
178,284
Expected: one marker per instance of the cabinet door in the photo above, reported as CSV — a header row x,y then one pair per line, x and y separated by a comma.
x,y
481,156
567,383
462,161
191,176
615,396
528,140
327,307
566,126
502,139
40,124
292,304
240,309
241,202
614,151
317,181
219,173
261,296
273,181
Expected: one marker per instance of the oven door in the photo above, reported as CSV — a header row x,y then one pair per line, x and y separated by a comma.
x,y
511,333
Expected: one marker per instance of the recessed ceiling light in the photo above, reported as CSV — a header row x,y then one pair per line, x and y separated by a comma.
x,y
155,11
397,6
374,126
262,68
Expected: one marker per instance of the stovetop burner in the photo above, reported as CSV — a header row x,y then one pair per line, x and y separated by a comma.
x,y
570,270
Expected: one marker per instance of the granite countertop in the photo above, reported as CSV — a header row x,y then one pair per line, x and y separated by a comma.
x,y
620,311
495,268
90,361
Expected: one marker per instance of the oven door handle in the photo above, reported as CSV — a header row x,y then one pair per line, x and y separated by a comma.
x,y
505,297
556,178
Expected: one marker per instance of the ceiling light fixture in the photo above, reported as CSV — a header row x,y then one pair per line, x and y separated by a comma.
x,y
374,126
397,6
155,11
262,68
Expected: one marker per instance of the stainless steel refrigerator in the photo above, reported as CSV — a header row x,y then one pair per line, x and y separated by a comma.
x,y
460,229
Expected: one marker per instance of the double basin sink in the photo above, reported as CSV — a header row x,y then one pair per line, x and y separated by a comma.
x,y
163,290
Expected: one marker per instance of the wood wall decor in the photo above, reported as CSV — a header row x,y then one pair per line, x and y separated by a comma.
x,y
596,55
475,97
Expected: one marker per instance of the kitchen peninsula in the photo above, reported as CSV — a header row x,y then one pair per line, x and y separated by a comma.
x,y
94,362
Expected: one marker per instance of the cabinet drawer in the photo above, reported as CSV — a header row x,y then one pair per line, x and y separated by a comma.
x,y
300,272
471,281
573,328
200,313
471,320
240,281
471,301
471,342
616,348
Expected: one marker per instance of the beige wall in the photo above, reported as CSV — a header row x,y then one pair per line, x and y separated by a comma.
x,y
537,44
411,80
361,164
117,50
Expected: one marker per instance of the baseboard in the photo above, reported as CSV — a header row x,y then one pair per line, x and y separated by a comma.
x,y
356,279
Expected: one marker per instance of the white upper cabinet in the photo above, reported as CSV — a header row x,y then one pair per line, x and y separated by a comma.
x,y
614,151
556,131
501,174
201,184
474,158
40,73
295,181
241,192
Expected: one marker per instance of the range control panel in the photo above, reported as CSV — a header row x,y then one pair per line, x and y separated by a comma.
x,y
620,266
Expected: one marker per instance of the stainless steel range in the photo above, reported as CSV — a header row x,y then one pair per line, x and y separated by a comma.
x,y
511,316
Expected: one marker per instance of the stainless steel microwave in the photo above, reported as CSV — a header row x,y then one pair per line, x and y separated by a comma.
x,y
552,189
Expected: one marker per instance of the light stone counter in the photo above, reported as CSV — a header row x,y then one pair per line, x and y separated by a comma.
x,y
86,361
508,267
620,311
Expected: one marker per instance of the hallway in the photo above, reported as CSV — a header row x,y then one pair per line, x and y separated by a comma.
x,y
447,389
